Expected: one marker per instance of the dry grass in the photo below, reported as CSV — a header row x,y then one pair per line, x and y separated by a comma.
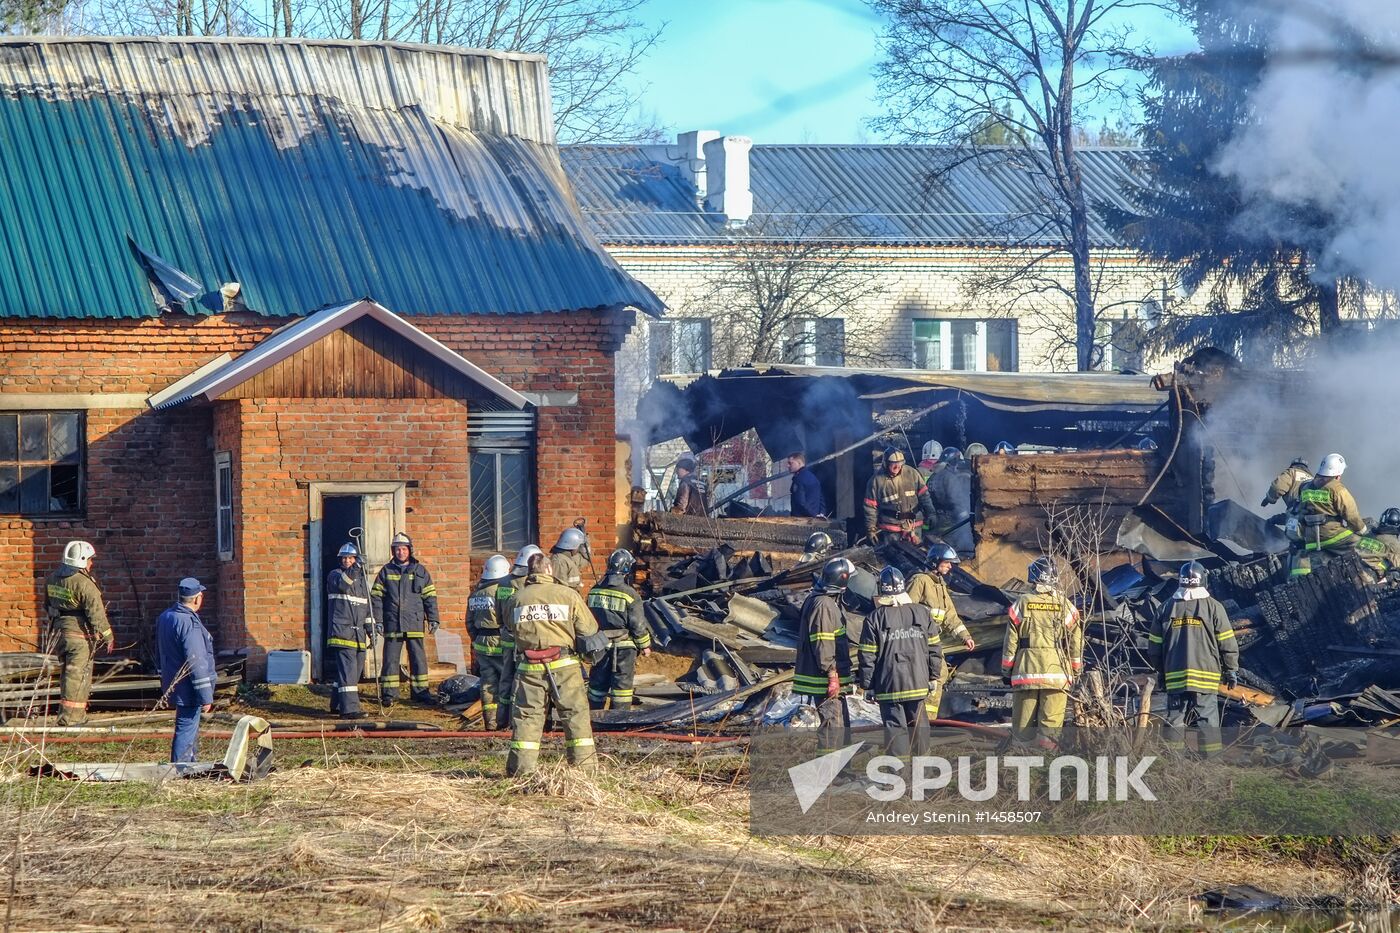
x,y
650,844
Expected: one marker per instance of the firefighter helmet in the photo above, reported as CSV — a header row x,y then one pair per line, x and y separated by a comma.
x,y
522,558
1147,443
949,454
1301,461
570,539
836,574
818,542
1004,447
1332,465
939,552
348,550
1192,574
932,450
78,554
977,449
1043,570
495,568
891,582
893,455
401,540
621,561
1391,517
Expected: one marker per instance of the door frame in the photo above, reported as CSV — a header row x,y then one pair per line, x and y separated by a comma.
x,y
316,492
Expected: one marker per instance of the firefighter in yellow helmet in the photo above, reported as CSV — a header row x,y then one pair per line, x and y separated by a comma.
x,y
1042,654
552,628
78,624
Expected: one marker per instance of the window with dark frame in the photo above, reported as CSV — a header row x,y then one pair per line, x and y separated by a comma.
x,y
680,345
816,341
223,502
502,499
41,462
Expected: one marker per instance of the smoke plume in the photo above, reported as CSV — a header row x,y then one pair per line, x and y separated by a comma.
x,y
1326,127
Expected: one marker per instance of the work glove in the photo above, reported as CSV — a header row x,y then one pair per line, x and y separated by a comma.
x,y
870,695
1232,679
1266,503
833,684
433,627
1006,677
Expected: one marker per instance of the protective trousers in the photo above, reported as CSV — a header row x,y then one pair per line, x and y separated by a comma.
x,y
612,676
417,663
349,662
534,697
184,745
75,652
1189,706
495,690
935,692
834,730
1038,716
906,727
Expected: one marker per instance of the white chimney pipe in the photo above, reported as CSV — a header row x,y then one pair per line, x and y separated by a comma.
x,y
692,156
727,171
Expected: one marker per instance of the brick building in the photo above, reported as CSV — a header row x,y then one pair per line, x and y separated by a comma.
x,y
191,377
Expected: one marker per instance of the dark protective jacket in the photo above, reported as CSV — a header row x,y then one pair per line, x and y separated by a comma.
x,y
403,598
347,608
544,613
1044,644
1192,643
617,608
568,567
74,604
1335,518
1286,486
807,498
929,589
186,657
899,653
690,497
950,491
894,503
484,621
823,645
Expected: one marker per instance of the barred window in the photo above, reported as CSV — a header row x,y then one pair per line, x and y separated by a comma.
x,y
41,462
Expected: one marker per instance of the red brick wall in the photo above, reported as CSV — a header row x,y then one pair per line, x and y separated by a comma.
x,y
150,475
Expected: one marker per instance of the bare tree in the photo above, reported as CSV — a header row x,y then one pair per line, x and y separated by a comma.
x,y
795,287
592,45
1038,68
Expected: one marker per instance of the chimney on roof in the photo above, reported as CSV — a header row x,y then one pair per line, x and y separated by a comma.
x,y
692,156
727,178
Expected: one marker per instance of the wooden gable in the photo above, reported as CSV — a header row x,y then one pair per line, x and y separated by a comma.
x,y
364,359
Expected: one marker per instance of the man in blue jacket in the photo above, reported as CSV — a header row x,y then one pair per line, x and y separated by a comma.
x,y
807,499
186,667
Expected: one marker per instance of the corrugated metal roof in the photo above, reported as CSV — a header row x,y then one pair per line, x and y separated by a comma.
x,y
310,172
879,194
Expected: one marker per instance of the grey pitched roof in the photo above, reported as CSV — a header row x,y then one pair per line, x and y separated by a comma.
x,y
878,194
142,173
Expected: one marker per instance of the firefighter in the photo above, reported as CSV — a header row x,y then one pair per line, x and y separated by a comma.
x,y
1288,484
77,625
506,588
900,657
690,491
349,632
977,449
896,502
816,548
1191,645
824,653
1381,548
928,460
950,491
404,600
929,588
1328,518
1004,448
617,608
1042,654
551,626
568,557
492,648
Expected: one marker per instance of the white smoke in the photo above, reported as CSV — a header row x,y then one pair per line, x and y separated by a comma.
x,y
1326,132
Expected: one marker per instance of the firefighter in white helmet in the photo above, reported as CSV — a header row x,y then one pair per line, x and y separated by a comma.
x,y
404,601
492,649
349,630
1327,514
77,625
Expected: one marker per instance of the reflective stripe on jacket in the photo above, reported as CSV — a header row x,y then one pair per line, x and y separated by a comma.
x,y
823,645
1192,643
186,652
1044,644
617,608
892,500
403,598
546,614
1324,498
347,608
899,653
931,590
73,601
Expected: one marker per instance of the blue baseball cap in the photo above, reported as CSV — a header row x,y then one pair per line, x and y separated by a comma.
x,y
191,587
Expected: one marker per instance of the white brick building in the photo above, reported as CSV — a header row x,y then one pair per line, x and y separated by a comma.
x,y
671,215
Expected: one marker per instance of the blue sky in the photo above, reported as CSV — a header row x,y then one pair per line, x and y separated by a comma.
x,y
780,71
